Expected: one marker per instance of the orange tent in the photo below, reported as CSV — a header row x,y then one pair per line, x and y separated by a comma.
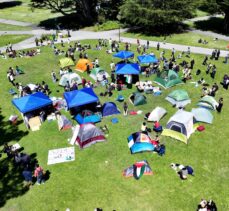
x,y
82,65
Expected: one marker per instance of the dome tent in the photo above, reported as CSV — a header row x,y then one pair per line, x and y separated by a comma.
x,y
156,114
97,74
81,65
109,108
71,77
137,99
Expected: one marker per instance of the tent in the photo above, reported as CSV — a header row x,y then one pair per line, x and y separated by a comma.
x,y
97,74
124,54
178,98
63,122
139,142
31,102
66,62
202,115
167,79
71,77
138,169
180,126
208,102
109,108
82,65
127,69
87,116
146,59
137,99
156,114
80,97
87,134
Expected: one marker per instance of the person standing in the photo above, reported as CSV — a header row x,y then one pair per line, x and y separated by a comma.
x,y
54,79
158,46
125,109
213,72
39,174
219,107
10,77
217,54
192,62
83,82
147,44
205,60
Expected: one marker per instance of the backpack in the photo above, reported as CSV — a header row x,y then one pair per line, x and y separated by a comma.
x,y
190,170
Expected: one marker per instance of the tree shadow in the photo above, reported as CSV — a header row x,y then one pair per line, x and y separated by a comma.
x,y
71,21
213,24
4,5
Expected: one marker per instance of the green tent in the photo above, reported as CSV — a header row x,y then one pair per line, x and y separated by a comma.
x,y
66,62
137,99
167,79
98,73
208,102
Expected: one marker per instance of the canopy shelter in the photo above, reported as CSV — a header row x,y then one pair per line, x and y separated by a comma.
x,y
31,102
109,108
71,77
127,69
202,115
180,126
139,142
80,97
167,79
146,59
178,98
82,64
124,54
66,62
156,114
137,99
208,102
98,74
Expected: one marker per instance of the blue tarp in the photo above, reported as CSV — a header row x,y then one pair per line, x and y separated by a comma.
x,y
31,102
124,54
110,108
145,59
80,97
127,69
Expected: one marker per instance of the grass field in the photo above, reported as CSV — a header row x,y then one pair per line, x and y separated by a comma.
x,y
188,38
5,39
89,182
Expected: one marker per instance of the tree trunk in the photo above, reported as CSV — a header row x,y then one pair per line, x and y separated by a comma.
x,y
87,11
226,22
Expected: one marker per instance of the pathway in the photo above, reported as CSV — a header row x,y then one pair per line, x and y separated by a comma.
x,y
17,23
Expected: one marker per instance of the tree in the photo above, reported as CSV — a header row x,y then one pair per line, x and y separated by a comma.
x,y
156,15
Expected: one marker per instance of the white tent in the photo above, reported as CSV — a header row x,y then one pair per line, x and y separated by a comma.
x,y
71,77
156,114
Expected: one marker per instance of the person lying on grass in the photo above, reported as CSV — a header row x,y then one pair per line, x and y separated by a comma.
x,y
182,170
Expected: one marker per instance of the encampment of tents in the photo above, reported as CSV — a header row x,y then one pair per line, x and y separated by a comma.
x,y
80,97
66,62
178,98
137,99
156,114
202,115
208,102
87,134
167,79
124,54
139,142
109,108
98,74
82,65
138,169
71,77
180,126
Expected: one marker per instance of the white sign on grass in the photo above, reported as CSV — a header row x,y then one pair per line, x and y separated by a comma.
x,y
61,155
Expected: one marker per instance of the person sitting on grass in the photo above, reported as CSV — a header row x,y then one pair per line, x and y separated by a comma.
x,y
157,127
18,71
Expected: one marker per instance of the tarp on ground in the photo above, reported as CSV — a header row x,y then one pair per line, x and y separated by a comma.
x,y
137,99
82,65
127,69
87,134
31,102
98,74
139,142
178,98
202,115
145,59
208,102
167,79
71,77
87,116
66,62
156,114
109,108
124,54
80,97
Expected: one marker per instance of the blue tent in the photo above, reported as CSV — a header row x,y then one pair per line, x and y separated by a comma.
x,y
128,69
109,108
31,102
80,97
124,54
144,59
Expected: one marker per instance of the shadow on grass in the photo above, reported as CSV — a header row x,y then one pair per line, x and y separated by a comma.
x,y
4,5
10,132
213,24
72,21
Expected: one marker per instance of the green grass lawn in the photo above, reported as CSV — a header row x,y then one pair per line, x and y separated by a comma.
x,y
24,13
201,13
9,27
188,38
90,182
5,39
